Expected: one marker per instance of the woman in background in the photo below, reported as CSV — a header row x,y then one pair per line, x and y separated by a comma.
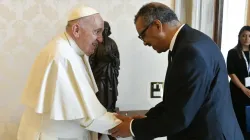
x,y
238,65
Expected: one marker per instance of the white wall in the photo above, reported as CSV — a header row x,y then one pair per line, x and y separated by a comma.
x,y
234,14
26,26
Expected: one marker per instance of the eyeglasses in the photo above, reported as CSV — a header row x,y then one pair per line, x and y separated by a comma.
x,y
142,34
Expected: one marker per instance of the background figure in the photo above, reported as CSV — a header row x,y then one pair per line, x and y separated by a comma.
x,y
105,64
238,71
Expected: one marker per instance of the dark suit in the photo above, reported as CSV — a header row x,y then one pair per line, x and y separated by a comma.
x,y
196,103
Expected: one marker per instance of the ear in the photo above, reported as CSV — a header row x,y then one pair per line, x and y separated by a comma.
x,y
76,30
158,25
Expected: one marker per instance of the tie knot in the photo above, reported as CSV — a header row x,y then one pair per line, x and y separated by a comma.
x,y
169,52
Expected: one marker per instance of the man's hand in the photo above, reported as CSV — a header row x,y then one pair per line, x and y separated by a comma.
x,y
123,129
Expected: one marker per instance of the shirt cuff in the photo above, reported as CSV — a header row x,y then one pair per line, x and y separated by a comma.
x,y
131,128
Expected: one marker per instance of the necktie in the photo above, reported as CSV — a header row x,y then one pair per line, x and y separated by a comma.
x,y
169,57
169,60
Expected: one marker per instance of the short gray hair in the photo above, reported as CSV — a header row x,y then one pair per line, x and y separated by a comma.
x,y
152,11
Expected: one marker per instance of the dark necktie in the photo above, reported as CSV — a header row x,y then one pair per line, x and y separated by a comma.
x,y
169,61
169,57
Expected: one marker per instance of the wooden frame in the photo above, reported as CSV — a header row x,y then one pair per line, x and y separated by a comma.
x,y
248,13
218,21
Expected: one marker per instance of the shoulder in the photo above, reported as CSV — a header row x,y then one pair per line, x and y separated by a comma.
x,y
55,49
51,54
188,49
232,52
189,54
111,40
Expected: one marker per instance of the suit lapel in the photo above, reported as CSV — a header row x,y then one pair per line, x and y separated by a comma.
x,y
180,39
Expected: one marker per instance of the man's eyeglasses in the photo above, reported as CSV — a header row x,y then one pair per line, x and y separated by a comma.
x,y
142,34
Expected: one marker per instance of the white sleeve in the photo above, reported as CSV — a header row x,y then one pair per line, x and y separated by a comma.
x,y
101,124
130,127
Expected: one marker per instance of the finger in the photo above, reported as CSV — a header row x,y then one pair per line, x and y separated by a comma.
x,y
115,134
113,130
135,117
138,117
122,118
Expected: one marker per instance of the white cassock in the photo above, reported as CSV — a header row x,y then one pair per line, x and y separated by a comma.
x,y
60,96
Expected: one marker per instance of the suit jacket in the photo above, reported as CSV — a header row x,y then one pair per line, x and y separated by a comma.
x,y
196,102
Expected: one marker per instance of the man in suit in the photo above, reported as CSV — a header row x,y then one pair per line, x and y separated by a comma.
x,y
196,103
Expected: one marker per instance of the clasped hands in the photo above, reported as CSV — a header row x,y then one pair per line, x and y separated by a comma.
x,y
123,129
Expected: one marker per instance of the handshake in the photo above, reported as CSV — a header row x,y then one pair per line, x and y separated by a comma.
x,y
124,128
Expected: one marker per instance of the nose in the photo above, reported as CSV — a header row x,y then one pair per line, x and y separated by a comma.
x,y
248,37
99,39
146,44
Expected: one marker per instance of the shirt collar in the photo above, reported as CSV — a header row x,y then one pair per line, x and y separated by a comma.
x,y
73,44
174,38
